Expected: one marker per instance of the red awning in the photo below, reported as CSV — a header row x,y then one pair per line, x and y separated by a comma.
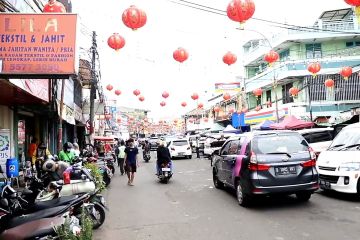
x,y
291,122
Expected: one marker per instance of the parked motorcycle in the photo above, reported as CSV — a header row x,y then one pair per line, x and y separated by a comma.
x,y
165,172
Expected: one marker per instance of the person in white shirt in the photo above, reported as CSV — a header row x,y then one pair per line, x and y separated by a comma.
x,y
121,157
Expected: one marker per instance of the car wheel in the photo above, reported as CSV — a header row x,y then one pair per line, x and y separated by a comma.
x,y
217,183
190,157
242,197
303,196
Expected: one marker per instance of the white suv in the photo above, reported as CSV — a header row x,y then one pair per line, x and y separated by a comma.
x,y
180,148
339,165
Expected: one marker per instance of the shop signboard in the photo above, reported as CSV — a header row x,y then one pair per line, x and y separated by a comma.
x,y
227,87
38,44
5,152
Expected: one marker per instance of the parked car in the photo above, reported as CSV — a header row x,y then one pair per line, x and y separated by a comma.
x,y
264,163
339,165
319,139
180,148
153,142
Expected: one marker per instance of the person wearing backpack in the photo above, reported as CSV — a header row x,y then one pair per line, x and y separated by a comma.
x,y
121,157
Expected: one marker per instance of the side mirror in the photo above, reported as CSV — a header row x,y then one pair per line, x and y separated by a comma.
x,y
216,152
4,202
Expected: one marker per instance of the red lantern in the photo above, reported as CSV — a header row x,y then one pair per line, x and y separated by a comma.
x,y
141,98
54,7
294,91
257,92
231,110
346,72
329,83
226,96
229,58
180,55
183,104
200,105
136,92
165,94
271,57
134,17
117,92
258,108
116,42
109,87
216,109
163,104
195,96
314,68
240,10
355,3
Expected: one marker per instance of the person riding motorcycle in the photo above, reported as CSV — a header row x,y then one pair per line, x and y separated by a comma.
x,y
163,156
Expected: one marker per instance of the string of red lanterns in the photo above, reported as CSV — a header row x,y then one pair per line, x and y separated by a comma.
x,y
183,104
229,58
329,83
116,41
240,11
134,18
141,98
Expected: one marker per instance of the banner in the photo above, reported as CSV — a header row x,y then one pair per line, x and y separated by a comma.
x,y
38,44
227,87
4,147
36,87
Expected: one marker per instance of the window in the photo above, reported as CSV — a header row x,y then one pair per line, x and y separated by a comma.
x,y
286,98
282,143
225,149
180,143
318,137
284,55
268,95
313,50
352,44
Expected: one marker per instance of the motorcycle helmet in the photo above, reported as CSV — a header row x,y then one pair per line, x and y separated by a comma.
x,y
49,166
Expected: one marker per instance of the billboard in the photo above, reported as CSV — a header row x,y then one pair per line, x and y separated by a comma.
x,y
227,87
38,44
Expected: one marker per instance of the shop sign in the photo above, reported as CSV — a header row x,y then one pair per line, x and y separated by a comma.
x,y
4,147
38,44
36,87
227,87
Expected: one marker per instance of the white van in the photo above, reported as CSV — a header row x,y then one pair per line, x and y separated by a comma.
x,y
339,165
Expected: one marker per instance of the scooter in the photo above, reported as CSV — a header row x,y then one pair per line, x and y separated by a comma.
x,y
165,172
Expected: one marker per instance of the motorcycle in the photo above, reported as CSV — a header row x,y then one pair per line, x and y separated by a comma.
x,y
165,172
103,166
146,156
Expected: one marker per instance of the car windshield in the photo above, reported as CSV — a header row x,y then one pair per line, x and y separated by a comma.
x,y
347,137
180,143
279,143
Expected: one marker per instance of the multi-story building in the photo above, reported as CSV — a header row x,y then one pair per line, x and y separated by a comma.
x,y
333,41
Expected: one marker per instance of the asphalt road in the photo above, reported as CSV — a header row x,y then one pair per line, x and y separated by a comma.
x,y
189,207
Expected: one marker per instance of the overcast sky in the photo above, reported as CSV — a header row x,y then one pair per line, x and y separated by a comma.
x,y
146,61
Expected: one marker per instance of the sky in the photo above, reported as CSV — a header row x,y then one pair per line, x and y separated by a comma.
x,y
146,62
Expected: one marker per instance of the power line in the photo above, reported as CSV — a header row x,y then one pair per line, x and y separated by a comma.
x,y
278,24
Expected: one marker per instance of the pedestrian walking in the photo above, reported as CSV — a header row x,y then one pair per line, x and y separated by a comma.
x,y
131,161
121,157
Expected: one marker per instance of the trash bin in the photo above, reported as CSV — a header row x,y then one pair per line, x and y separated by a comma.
x,y
12,168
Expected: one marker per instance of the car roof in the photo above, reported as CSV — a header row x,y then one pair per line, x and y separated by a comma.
x,y
313,130
354,125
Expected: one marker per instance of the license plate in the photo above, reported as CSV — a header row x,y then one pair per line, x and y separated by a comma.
x,y
285,170
325,184
165,169
181,153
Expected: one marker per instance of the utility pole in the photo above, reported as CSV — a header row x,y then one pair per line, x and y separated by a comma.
x,y
309,96
93,86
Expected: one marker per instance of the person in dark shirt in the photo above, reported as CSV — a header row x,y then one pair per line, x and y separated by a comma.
x,y
131,161
163,155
